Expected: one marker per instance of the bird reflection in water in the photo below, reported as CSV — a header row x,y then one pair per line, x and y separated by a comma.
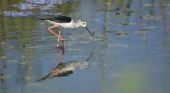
x,y
65,68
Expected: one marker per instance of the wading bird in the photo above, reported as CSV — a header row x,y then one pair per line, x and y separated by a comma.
x,y
64,22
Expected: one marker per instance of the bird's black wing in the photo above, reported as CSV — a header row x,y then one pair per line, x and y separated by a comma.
x,y
59,19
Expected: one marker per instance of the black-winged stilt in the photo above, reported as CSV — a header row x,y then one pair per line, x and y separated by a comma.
x,y
64,22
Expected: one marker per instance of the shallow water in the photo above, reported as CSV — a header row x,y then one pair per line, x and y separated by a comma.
x,y
130,48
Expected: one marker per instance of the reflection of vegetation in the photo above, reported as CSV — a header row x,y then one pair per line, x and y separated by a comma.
x,y
4,84
16,27
119,3
128,7
67,8
4,4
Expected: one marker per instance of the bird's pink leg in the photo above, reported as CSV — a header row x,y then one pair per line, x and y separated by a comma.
x,y
61,39
58,61
58,40
58,36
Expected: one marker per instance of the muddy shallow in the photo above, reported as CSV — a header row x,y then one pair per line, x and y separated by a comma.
x,y
130,46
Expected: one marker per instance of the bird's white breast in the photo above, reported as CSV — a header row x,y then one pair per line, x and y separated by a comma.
x,y
62,25
67,25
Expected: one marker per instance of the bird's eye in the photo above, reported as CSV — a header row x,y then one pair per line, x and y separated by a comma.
x,y
84,23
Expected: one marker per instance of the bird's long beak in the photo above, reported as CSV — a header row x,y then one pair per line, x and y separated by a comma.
x,y
89,31
89,57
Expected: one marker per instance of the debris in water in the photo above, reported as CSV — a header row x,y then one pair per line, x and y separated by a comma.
x,y
28,77
121,34
129,10
117,14
13,61
4,76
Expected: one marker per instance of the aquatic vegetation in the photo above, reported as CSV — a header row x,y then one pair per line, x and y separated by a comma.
x,y
30,6
26,13
22,63
15,13
111,31
129,10
150,17
49,1
28,77
108,10
117,14
26,7
4,76
121,34
147,4
150,27
74,49
117,45
128,23
13,61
